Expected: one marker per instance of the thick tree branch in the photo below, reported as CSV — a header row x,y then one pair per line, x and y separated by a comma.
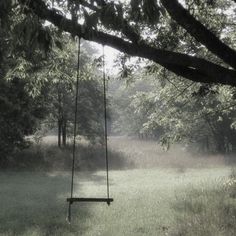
x,y
190,67
190,73
200,32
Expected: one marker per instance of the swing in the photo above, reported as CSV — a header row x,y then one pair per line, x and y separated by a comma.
x,y
73,199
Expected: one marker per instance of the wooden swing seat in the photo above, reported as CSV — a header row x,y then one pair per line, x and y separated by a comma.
x,y
76,199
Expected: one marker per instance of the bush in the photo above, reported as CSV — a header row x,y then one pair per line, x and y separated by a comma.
x,y
19,114
50,157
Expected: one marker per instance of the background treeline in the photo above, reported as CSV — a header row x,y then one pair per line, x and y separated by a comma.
x,y
156,107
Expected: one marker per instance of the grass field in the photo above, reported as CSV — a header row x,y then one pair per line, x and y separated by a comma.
x,y
151,201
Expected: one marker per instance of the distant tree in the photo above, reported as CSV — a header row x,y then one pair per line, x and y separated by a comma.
x,y
182,111
125,116
61,75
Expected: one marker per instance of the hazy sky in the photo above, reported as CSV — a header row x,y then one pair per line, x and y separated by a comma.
x,y
110,56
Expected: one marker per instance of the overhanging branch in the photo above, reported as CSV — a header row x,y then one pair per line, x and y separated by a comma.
x,y
200,32
190,67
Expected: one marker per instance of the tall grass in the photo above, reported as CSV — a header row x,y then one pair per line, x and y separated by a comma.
x,y
208,210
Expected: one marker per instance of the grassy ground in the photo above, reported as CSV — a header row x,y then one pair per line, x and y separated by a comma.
x,y
34,203
167,199
148,154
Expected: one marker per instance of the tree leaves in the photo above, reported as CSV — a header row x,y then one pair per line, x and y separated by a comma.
x,y
5,9
151,10
32,35
19,115
148,10
91,20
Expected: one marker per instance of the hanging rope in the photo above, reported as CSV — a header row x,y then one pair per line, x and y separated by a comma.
x,y
105,121
75,129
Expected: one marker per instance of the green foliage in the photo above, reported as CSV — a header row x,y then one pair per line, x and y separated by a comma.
x,y
45,61
124,116
61,73
146,10
177,111
19,116
24,40
24,44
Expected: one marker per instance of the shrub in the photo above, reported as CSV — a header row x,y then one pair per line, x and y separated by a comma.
x,y
50,157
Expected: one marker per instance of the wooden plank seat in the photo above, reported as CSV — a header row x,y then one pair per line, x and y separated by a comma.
x,y
76,199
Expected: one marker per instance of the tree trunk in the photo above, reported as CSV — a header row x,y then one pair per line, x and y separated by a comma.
x,y
59,115
59,133
207,145
64,133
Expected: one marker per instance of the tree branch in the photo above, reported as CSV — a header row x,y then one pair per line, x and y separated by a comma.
x,y
193,68
200,32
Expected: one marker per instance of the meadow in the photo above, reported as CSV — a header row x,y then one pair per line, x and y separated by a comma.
x,y
178,196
